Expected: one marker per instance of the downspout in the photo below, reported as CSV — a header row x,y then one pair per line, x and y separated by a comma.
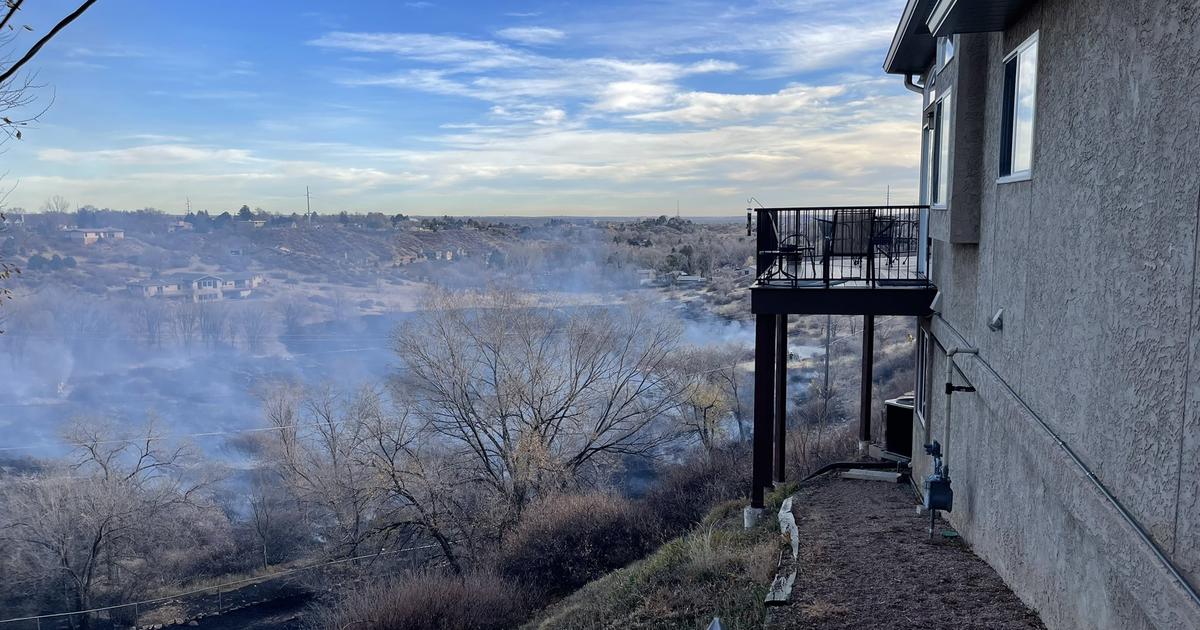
x,y
912,86
950,389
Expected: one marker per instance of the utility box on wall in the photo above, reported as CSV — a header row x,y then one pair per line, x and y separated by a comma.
x,y
898,425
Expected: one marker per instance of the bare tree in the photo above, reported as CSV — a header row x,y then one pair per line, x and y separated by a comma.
x,y
185,320
212,322
728,373
703,403
293,311
255,325
363,473
535,398
150,318
274,518
17,93
6,270
318,447
340,304
93,523
57,203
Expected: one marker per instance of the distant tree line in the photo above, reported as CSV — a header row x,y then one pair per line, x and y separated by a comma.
x,y
53,263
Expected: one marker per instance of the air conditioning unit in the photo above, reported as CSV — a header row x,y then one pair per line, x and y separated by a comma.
x,y
898,425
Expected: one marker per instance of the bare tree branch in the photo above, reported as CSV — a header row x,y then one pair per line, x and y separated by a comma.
x,y
29,54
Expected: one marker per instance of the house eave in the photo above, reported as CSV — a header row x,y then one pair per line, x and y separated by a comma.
x,y
949,17
913,47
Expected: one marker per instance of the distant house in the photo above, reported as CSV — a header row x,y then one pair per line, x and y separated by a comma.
x,y
198,287
689,280
252,224
87,236
646,277
240,285
180,226
404,259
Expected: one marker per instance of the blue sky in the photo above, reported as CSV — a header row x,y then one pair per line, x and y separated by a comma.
x,y
468,107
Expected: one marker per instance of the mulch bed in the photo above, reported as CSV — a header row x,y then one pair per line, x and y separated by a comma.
x,y
867,561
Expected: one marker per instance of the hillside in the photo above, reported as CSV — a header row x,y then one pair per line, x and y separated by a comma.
x,y
865,561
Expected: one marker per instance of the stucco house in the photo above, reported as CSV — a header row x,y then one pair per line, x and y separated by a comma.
x,y
198,287
1051,267
1061,161
87,236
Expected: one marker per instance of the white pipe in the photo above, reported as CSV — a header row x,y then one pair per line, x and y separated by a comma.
x,y
950,379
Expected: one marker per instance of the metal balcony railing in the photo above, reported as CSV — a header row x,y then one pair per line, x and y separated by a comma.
x,y
851,246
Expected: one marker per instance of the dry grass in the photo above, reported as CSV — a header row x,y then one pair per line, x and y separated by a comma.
x,y
717,570
823,611
428,602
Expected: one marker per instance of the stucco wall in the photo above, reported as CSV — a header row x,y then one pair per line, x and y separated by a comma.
x,y
1094,262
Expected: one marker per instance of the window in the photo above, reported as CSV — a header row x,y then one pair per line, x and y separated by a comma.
x,y
945,51
923,391
1020,94
937,146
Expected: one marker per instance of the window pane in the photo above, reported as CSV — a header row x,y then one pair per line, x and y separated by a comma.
x,y
943,121
930,162
1022,152
945,51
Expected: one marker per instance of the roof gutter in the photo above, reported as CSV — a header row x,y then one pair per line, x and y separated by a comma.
x,y
912,86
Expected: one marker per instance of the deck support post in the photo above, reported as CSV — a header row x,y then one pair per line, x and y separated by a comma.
x,y
781,360
764,405
868,361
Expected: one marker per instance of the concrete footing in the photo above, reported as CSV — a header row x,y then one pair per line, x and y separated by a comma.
x,y
751,516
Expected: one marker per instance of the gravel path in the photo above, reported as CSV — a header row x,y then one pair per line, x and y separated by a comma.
x,y
866,561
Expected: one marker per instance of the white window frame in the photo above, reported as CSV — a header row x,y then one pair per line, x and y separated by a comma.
x,y
940,136
943,57
1010,140
923,390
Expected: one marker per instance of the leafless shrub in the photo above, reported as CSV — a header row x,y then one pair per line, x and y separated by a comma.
x,y
428,601
566,541
685,492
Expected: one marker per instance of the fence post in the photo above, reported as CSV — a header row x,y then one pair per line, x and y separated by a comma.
x,y
219,599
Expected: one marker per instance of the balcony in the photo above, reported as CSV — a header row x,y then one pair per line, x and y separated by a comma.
x,y
862,260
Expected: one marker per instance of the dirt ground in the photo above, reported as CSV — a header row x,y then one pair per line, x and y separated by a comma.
x,y
866,561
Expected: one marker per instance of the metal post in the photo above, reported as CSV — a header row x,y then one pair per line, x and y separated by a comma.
x,y
764,405
781,359
868,360
825,390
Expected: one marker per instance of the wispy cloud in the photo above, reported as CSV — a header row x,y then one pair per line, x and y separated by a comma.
x,y
609,111
531,35
146,154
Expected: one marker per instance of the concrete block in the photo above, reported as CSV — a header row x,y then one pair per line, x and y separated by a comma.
x,y
872,475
